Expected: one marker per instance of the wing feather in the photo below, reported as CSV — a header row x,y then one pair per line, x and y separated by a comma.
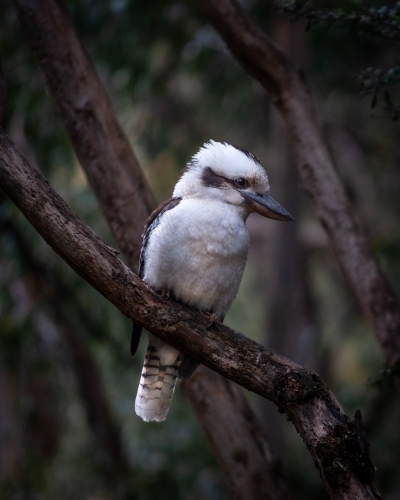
x,y
151,223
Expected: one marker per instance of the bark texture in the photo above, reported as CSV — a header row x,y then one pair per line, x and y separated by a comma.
x,y
338,445
265,61
237,438
119,185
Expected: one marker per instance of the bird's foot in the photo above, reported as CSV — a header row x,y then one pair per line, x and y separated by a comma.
x,y
213,319
165,293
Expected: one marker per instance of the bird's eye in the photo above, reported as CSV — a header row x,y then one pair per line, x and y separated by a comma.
x,y
241,183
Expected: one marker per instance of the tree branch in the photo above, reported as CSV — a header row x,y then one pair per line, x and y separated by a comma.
x,y
256,475
73,81
97,137
336,444
263,60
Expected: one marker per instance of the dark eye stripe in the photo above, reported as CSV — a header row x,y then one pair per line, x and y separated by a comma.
x,y
211,179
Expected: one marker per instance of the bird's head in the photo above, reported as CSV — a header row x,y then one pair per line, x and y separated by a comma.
x,y
227,173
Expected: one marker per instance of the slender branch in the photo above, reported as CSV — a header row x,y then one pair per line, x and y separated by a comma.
x,y
73,81
337,445
262,59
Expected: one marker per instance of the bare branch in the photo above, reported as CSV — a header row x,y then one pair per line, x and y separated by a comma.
x,y
260,56
256,476
98,139
337,445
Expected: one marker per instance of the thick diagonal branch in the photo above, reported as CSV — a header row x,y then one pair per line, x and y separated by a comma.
x,y
337,445
262,59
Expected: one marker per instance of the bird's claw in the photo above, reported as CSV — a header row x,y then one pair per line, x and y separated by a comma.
x,y
213,319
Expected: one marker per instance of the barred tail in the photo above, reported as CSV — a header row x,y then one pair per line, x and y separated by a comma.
x,y
157,383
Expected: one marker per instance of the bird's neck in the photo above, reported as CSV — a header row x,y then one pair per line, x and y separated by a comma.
x,y
221,206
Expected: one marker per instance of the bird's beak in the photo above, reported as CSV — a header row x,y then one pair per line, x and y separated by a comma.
x,y
265,205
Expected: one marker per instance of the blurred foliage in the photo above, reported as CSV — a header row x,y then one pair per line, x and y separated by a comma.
x,y
174,85
382,21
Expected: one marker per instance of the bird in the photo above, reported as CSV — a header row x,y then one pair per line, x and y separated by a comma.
x,y
194,250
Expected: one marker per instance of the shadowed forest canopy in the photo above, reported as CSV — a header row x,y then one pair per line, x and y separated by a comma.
x,y
67,382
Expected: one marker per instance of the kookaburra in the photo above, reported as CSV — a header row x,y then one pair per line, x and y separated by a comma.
x,y
195,249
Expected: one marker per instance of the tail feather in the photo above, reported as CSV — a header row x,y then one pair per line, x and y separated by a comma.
x,y
157,382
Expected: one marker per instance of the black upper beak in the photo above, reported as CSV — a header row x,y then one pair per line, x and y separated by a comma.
x,y
266,206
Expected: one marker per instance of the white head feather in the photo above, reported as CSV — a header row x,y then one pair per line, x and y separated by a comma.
x,y
225,161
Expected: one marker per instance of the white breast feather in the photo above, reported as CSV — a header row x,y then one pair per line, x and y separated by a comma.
x,y
198,251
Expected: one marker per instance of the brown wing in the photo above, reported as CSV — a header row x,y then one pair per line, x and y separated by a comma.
x,y
151,223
